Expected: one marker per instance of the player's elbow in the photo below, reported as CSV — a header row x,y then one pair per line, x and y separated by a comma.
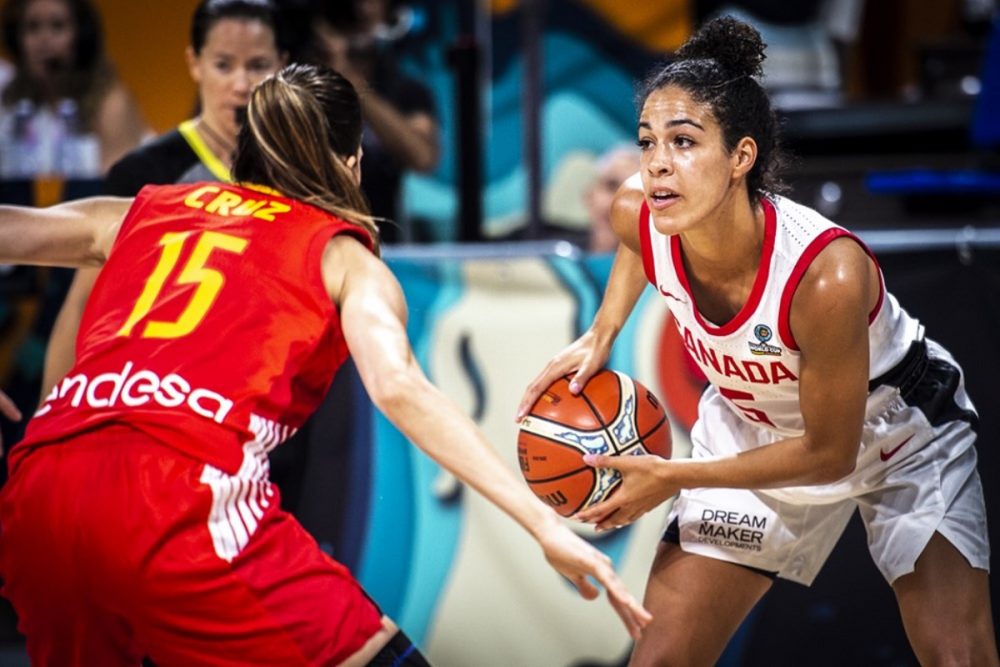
x,y
835,466
831,462
393,389
838,469
94,257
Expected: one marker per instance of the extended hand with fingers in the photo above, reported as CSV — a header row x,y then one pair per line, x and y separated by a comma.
x,y
645,485
577,560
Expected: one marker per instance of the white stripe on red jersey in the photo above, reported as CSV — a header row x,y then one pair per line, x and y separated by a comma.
x,y
239,501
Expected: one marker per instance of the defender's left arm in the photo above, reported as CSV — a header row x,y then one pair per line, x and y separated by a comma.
x,y
75,234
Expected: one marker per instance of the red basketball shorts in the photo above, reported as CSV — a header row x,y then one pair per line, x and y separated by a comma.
x,y
107,554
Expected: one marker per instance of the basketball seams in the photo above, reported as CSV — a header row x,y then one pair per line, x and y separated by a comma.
x,y
546,428
643,436
627,390
554,435
567,445
564,476
600,418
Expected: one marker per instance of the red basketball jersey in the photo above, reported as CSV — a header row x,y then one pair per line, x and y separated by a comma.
x,y
208,328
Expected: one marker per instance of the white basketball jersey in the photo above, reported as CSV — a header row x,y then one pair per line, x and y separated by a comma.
x,y
753,360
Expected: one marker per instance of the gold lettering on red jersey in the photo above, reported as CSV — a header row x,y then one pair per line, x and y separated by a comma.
x,y
194,199
248,207
210,281
228,203
275,208
223,203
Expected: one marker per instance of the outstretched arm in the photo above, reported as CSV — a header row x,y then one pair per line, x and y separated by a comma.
x,y
373,314
74,234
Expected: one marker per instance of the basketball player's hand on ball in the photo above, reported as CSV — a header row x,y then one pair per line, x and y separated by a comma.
x,y
644,486
584,356
8,410
577,560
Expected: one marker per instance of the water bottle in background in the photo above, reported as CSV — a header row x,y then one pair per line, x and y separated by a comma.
x,y
67,150
19,152
77,152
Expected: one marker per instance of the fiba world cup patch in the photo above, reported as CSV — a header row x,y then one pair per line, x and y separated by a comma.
x,y
762,347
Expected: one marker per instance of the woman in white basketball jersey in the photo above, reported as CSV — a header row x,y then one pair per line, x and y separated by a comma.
x,y
825,396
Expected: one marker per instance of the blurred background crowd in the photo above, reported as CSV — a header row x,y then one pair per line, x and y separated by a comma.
x,y
502,120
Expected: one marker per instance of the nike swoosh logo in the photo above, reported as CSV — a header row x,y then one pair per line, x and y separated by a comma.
x,y
670,295
886,455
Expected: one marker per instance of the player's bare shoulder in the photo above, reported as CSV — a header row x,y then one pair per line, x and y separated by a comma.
x,y
842,269
841,286
625,210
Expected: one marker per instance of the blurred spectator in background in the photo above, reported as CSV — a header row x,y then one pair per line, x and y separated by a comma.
x,y
807,44
64,111
356,38
613,167
234,45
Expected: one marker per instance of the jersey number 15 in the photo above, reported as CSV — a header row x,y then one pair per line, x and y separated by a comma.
x,y
209,282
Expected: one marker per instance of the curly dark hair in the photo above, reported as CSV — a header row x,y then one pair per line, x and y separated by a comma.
x,y
719,66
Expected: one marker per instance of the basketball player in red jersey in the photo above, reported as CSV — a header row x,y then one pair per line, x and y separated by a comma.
x,y
138,519
825,397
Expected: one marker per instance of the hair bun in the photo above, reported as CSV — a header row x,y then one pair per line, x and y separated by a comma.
x,y
736,46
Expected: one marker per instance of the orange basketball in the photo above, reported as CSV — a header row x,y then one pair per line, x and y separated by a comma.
x,y
613,415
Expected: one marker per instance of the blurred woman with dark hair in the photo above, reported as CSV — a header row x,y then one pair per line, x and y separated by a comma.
x,y
64,111
138,518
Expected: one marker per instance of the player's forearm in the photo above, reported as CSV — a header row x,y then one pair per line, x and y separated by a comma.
x,y
625,286
30,236
790,462
73,234
428,419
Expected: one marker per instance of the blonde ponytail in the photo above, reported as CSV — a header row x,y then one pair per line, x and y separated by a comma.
x,y
302,125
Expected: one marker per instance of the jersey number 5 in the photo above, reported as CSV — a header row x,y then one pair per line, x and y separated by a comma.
x,y
753,414
209,282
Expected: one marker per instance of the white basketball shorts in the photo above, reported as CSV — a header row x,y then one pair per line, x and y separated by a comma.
x,y
916,475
